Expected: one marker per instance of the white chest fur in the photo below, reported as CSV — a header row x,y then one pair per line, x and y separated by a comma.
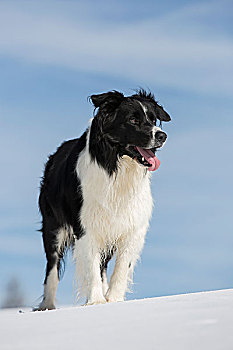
x,y
117,205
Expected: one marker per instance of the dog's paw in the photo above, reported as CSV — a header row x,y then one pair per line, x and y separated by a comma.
x,y
113,298
96,301
44,306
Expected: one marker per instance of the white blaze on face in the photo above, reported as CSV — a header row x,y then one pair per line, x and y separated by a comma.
x,y
154,128
144,108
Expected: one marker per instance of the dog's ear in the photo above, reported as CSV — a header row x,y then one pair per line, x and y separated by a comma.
x,y
111,98
162,114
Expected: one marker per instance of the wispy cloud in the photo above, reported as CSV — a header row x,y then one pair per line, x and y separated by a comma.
x,y
177,49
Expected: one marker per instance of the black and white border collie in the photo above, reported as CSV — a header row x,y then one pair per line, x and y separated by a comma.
x,y
95,196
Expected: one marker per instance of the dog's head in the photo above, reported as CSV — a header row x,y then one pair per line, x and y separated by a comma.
x,y
130,123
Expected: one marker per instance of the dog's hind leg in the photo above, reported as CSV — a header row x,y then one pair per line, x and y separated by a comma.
x,y
50,283
104,280
106,257
54,241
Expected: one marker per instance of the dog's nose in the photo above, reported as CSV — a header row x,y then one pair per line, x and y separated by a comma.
x,y
160,136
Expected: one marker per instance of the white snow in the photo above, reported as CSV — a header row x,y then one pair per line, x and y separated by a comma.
x,y
188,321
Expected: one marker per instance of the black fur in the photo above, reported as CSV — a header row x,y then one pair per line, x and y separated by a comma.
x,y
60,198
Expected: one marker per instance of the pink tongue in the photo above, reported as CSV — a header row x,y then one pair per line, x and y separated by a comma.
x,y
150,157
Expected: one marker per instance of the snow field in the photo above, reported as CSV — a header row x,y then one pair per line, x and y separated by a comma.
x,y
188,321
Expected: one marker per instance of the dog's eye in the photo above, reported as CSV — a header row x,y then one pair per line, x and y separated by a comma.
x,y
133,121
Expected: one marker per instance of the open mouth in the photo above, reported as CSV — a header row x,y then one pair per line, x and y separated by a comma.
x,y
146,157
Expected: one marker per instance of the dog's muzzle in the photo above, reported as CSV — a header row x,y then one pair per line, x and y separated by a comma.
x,y
158,140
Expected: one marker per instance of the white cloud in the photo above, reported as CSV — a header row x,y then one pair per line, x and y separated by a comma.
x,y
175,50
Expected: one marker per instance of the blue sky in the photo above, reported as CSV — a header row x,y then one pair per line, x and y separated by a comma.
x,y
53,55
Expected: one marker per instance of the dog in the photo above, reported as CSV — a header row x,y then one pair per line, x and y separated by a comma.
x,y
95,196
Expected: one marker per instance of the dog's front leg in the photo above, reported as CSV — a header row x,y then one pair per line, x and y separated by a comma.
x,y
118,281
88,258
95,289
127,255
